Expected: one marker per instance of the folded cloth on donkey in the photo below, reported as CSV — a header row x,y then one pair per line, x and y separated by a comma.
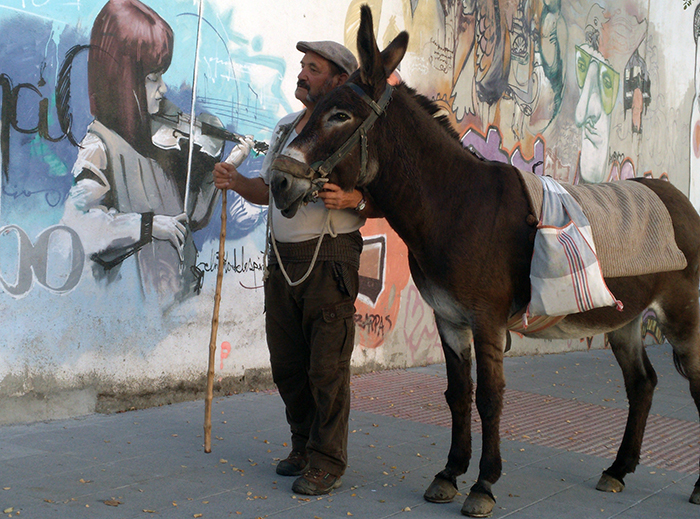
x,y
565,275
632,229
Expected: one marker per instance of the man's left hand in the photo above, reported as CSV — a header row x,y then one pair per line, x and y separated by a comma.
x,y
335,198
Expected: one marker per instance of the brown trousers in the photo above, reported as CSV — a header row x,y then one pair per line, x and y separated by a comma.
x,y
310,335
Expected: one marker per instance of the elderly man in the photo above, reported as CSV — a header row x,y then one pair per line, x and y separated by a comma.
x,y
310,325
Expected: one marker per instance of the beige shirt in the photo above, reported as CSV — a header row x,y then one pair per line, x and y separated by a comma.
x,y
310,220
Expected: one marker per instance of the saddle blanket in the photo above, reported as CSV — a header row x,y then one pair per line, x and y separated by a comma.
x,y
631,227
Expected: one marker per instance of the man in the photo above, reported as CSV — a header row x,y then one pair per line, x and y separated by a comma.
x,y
310,326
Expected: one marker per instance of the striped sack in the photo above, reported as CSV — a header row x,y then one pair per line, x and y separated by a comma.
x,y
565,275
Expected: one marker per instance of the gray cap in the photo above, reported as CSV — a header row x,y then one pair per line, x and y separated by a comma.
x,y
332,51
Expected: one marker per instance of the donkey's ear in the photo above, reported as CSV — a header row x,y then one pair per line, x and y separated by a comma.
x,y
394,53
372,71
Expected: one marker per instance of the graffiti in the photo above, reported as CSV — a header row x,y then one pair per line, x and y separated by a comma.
x,y
225,352
133,173
35,261
694,126
52,197
419,328
637,90
508,65
581,91
11,98
598,60
376,325
650,327
372,267
233,264
491,147
441,57
383,275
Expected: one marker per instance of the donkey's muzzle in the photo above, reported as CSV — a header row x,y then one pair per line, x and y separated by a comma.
x,y
290,183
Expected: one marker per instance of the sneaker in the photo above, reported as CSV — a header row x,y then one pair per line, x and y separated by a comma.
x,y
315,482
295,464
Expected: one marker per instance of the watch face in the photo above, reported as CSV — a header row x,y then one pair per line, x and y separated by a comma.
x,y
361,205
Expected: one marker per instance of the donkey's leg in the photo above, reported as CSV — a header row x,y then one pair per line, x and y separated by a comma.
x,y
680,323
640,380
490,385
456,343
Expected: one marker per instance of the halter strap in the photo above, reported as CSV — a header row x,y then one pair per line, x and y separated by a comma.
x,y
324,168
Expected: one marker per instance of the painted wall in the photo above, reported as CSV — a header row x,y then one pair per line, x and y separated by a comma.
x,y
95,320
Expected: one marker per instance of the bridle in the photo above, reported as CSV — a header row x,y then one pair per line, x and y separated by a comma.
x,y
319,171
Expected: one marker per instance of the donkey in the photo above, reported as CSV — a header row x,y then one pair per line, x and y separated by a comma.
x,y
465,223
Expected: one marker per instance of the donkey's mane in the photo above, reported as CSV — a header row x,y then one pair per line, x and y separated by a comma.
x,y
432,108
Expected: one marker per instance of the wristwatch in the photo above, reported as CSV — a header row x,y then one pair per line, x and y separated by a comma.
x,y
361,204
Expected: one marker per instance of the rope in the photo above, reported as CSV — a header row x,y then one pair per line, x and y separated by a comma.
x,y
327,229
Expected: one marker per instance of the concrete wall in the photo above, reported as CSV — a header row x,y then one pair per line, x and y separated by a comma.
x,y
582,91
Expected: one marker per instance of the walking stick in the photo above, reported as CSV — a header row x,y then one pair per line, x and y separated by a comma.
x,y
214,328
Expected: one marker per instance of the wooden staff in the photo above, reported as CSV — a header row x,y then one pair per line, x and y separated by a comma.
x,y
214,328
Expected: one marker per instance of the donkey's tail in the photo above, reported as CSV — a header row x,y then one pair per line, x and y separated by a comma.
x,y
679,365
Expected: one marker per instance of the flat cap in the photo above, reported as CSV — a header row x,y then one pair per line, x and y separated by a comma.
x,y
332,51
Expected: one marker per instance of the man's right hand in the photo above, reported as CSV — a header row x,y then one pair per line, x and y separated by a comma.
x,y
225,175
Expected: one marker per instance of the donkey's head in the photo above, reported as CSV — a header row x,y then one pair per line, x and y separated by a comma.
x,y
336,143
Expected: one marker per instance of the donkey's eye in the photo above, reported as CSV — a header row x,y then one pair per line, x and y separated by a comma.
x,y
339,117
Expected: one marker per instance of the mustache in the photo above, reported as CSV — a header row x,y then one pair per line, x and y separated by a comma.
x,y
303,84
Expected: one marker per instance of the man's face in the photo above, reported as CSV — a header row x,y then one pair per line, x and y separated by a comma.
x,y
315,79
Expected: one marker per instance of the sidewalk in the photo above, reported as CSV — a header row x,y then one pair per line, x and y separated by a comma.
x,y
563,421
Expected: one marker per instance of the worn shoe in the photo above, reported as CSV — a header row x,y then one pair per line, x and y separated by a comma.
x,y
316,482
294,465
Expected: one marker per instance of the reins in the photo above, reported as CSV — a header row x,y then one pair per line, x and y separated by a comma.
x,y
319,171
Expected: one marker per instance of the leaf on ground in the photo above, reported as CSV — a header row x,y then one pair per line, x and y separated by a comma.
x,y
112,502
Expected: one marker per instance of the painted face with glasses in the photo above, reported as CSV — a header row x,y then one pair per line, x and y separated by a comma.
x,y
599,84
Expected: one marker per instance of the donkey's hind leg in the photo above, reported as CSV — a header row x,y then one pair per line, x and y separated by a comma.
x,y
456,343
640,380
680,323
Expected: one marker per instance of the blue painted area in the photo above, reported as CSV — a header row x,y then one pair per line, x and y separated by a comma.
x,y
38,176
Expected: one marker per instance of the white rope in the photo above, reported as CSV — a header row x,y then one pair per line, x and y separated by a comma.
x,y
327,228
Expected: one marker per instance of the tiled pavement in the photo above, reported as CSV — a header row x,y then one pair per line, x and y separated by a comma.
x,y
562,422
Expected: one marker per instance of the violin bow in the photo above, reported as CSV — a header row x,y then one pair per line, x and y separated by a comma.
x,y
209,396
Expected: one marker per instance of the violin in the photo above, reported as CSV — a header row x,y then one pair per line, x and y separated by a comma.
x,y
170,126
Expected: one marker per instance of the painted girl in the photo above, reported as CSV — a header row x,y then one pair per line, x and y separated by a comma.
x,y
127,203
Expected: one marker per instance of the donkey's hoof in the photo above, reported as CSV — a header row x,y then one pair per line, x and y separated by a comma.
x,y
440,491
478,504
608,483
695,496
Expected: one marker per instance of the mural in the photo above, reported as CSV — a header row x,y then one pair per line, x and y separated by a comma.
x,y
113,113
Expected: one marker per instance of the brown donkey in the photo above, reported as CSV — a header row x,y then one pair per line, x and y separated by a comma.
x,y
465,222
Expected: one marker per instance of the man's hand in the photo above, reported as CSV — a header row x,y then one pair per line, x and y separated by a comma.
x,y
335,198
225,175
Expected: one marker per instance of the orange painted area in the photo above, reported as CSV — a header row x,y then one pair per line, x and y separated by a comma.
x,y
376,319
